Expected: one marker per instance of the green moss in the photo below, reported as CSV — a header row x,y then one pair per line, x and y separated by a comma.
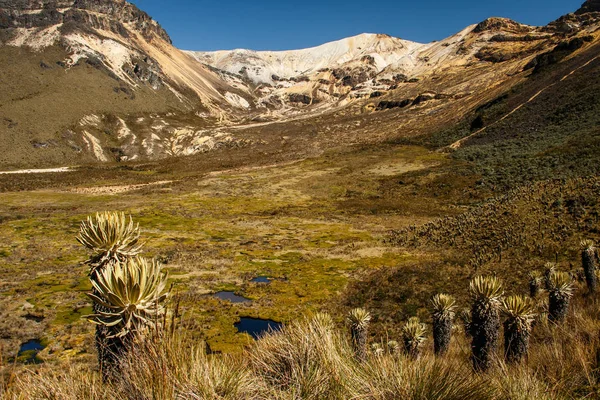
x,y
73,315
218,234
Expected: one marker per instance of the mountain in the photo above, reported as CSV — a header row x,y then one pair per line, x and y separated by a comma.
x,y
75,71
87,81
324,73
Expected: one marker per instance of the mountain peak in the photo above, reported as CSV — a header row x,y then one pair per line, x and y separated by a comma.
x,y
589,6
497,23
109,15
378,50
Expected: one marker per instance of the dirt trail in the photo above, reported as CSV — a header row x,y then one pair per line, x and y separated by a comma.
x,y
37,171
456,145
100,190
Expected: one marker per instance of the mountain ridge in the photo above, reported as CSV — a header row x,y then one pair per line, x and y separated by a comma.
x,y
101,81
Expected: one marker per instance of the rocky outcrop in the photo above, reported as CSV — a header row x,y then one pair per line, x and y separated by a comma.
x,y
422,98
83,14
300,98
146,70
388,105
500,24
561,51
589,6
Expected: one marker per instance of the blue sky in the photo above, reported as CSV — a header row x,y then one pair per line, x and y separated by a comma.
x,y
283,25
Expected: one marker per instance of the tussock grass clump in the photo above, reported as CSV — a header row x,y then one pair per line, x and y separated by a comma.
x,y
309,358
176,367
427,378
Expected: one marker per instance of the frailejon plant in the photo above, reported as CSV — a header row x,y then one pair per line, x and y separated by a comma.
x,y
377,349
129,296
393,347
486,293
359,320
549,269
559,295
112,238
443,312
535,283
588,261
413,336
466,319
520,315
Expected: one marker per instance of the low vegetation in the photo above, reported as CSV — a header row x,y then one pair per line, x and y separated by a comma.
x,y
313,358
144,354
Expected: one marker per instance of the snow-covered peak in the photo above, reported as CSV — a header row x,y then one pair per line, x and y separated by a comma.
x,y
262,66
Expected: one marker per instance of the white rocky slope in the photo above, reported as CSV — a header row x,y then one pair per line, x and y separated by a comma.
x,y
335,73
270,66
117,36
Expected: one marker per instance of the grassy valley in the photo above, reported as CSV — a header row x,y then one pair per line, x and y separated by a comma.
x,y
337,226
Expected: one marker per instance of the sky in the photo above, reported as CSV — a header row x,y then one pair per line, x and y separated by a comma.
x,y
284,25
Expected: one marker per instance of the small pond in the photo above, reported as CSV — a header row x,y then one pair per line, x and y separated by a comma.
x,y
261,279
232,297
256,327
34,317
29,350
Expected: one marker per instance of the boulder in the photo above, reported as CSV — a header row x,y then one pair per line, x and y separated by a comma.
x,y
299,98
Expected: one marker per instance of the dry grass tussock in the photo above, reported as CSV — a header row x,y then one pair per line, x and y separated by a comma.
x,y
314,359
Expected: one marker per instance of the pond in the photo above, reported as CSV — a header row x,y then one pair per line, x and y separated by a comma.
x,y
232,297
29,350
256,327
261,279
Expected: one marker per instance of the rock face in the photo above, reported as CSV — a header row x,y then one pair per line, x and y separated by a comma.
x,y
589,6
100,61
500,24
97,14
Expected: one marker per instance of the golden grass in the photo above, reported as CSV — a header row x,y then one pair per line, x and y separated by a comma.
x,y
313,359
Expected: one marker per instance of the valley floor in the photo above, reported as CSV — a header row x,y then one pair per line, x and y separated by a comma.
x,y
311,225
382,227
